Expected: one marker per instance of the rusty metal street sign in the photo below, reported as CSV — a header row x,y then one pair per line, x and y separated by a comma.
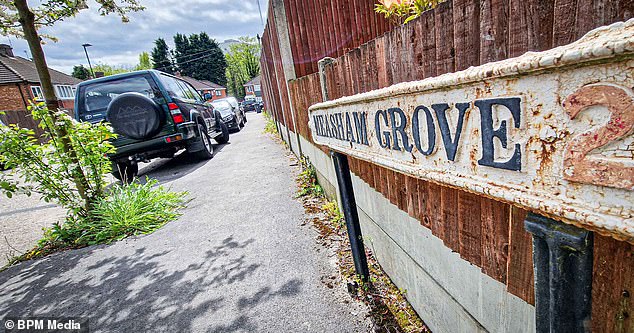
x,y
551,131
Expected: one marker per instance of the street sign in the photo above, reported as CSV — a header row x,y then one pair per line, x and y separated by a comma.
x,y
551,132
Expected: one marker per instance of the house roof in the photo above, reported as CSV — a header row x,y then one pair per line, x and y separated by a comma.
x,y
201,84
18,69
213,85
254,81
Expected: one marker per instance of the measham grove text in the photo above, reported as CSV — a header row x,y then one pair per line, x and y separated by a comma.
x,y
395,131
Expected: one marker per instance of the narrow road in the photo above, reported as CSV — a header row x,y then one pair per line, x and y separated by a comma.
x,y
238,260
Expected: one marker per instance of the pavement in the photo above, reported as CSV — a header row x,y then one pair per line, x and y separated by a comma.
x,y
22,219
240,259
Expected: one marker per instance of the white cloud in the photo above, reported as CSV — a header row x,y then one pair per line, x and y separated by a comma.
x,y
117,43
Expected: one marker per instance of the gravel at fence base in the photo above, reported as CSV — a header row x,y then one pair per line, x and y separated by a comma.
x,y
21,221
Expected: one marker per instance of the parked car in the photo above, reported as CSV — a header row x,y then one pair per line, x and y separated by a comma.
x,y
154,114
237,107
234,118
249,105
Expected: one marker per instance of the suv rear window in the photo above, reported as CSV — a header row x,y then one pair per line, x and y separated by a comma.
x,y
94,98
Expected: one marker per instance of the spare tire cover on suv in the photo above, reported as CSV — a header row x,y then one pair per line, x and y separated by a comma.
x,y
135,116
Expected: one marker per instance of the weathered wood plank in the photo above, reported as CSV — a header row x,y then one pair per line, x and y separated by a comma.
x,y
449,204
466,26
470,228
429,44
564,18
434,210
519,272
612,286
493,30
411,186
445,52
381,62
530,26
496,221
372,66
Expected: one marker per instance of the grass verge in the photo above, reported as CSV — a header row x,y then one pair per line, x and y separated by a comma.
x,y
127,210
389,310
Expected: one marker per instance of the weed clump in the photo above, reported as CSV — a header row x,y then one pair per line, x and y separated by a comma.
x,y
269,127
126,210
307,181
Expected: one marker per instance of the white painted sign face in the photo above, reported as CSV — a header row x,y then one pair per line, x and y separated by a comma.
x,y
551,131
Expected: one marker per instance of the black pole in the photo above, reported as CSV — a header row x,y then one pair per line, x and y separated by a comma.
x,y
88,58
562,260
342,169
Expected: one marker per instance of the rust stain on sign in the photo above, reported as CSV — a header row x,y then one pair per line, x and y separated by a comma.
x,y
550,131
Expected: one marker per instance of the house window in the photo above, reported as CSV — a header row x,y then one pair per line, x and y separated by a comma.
x,y
37,93
249,88
64,92
257,87
218,93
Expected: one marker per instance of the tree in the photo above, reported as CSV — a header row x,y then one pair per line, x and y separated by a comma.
x,y
200,57
81,72
19,19
144,61
108,70
243,64
161,57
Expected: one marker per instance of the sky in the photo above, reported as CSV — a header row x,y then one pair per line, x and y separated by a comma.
x,y
117,43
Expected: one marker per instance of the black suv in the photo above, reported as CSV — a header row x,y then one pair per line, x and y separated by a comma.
x,y
154,114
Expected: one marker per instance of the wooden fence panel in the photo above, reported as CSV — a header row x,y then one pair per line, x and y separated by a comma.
x,y
454,36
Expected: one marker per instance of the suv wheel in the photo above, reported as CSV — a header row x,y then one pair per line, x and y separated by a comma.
x,y
125,171
208,150
224,137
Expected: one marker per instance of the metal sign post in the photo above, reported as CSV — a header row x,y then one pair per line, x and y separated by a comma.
x,y
346,192
342,169
562,261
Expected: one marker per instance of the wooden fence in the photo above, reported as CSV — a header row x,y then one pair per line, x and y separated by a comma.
x,y
371,54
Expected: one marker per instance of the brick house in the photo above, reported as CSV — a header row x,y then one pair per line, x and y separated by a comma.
x,y
203,87
19,84
253,88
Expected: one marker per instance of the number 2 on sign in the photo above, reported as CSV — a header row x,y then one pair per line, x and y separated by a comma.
x,y
578,166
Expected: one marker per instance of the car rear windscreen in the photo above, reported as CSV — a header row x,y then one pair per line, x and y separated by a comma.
x,y
95,98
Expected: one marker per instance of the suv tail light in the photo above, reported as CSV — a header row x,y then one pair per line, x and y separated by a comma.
x,y
177,116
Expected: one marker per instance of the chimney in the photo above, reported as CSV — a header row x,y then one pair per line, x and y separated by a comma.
x,y
6,50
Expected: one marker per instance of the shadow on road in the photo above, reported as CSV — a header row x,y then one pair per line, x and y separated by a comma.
x,y
168,169
139,291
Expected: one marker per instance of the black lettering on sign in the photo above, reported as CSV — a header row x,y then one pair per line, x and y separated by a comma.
x,y
360,124
340,129
333,127
386,134
488,133
317,128
349,131
431,130
399,129
451,145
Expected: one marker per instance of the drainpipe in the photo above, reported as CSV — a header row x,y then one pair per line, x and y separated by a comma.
x,y
26,105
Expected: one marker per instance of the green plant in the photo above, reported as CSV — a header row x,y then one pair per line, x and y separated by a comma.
x,y
307,180
403,11
127,210
333,214
50,169
19,18
269,127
